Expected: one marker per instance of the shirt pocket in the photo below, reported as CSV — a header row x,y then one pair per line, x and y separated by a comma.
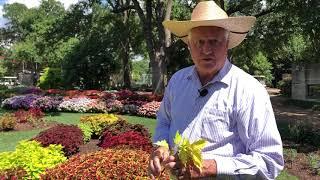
x,y
215,125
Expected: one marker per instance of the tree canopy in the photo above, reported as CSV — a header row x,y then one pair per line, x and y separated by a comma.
x,y
93,39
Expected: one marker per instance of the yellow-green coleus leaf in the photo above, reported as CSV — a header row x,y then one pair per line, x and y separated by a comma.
x,y
189,153
162,143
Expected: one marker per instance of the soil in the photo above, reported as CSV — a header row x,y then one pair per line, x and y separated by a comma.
x,y
283,113
29,126
91,146
292,114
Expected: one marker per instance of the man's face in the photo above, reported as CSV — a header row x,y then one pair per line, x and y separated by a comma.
x,y
208,48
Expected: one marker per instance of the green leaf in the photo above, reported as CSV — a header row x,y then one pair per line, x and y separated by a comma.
x,y
162,143
189,153
177,139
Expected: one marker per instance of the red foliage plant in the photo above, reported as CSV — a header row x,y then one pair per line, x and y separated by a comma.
x,y
55,92
124,94
122,126
69,136
15,173
131,139
115,163
155,97
33,114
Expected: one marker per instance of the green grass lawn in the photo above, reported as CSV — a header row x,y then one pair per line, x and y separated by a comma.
x,y
8,140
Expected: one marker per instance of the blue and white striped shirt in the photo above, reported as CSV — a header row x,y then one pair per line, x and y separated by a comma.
x,y
235,117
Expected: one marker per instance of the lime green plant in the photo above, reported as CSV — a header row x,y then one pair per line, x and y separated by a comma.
x,y
188,153
32,157
86,130
98,122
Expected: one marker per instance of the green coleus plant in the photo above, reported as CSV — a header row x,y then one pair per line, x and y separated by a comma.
x,y
32,157
86,130
188,153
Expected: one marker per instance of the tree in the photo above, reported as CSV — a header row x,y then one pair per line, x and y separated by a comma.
x,y
93,57
129,35
151,14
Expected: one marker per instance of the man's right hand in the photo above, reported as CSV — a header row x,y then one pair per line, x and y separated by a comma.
x,y
156,158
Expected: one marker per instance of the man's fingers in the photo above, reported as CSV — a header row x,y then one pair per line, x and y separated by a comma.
x,y
170,165
156,165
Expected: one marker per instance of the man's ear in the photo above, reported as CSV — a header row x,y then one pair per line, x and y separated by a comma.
x,y
188,44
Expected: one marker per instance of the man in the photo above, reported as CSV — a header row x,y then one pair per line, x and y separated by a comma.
x,y
216,101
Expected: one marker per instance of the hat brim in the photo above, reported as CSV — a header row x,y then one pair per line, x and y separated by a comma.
x,y
238,27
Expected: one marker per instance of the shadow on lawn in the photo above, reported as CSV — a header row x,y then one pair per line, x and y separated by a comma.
x,y
53,113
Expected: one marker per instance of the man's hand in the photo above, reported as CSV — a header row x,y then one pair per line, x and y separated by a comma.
x,y
157,158
209,169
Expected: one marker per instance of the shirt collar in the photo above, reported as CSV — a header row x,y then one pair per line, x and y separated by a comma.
x,y
222,75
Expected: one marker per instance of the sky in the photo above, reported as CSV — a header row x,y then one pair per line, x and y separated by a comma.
x,y
29,4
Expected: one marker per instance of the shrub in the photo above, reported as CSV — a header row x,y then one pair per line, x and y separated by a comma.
x,y
7,122
19,102
47,103
30,156
86,130
285,87
290,155
51,78
69,136
33,116
118,163
131,139
99,122
150,109
314,162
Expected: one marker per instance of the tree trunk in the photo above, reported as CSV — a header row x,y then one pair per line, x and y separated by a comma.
x,y
156,43
125,53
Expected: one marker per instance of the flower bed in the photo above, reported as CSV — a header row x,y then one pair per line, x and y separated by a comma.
x,y
82,105
130,147
47,103
122,102
150,109
118,163
19,102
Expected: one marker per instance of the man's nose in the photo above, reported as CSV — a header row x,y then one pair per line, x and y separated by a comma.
x,y
206,48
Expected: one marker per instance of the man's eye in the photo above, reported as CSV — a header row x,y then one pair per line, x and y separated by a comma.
x,y
213,42
199,43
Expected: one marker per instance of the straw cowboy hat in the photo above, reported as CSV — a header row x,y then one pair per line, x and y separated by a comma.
x,y
208,13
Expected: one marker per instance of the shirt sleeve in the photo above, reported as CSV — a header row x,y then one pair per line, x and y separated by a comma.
x,y
163,117
258,130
